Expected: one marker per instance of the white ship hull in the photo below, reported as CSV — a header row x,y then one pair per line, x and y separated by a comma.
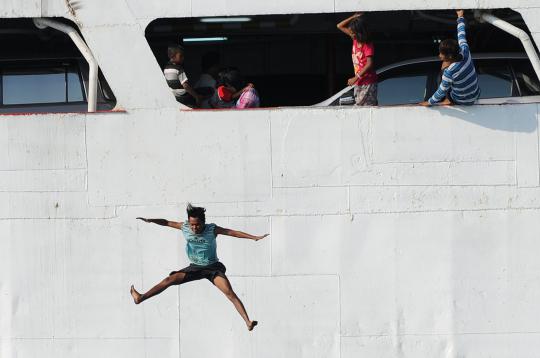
x,y
395,232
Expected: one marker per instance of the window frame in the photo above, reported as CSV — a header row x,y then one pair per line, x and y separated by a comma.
x,y
65,64
493,63
512,64
430,84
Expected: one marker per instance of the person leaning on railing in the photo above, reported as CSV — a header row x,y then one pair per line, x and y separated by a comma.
x,y
459,83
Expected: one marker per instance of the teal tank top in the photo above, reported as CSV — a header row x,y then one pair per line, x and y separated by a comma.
x,y
201,248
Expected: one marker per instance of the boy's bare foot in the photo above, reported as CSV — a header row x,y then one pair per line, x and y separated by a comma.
x,y
252,325
136,295
446,102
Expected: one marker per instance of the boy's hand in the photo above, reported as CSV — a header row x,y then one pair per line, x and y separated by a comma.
x,y
257,238
425,104
198,100
352,81
143,219
459,13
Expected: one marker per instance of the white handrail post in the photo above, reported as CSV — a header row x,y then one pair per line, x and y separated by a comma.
x,y
85,51
516,32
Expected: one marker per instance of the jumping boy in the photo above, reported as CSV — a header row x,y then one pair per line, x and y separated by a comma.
x,y
201,251
365,77
459,84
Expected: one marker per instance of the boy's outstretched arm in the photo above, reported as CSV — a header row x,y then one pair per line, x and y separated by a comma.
x,y
461,34
234,233
343,25
163,222
441,92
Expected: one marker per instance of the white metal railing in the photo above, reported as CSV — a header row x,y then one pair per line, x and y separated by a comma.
x,y
514,31
85,51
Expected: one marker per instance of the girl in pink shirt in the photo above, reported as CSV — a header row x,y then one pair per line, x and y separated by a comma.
x,y
365,78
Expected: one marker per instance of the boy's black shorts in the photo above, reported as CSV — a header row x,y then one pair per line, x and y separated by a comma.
x,y
197,272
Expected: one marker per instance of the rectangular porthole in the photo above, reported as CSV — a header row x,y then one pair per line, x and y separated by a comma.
x,y
42,70
303,60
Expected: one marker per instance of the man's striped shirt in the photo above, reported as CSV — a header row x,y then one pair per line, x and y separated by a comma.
x,y
460,77
175,77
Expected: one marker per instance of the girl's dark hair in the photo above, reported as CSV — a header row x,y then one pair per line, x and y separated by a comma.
x,y
195,212
231,77
449,48
359,28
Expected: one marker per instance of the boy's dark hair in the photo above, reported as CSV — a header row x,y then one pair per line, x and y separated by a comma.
x,y
195,212
449,48
174,49
359,28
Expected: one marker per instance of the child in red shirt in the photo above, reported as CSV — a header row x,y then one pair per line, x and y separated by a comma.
x,y
365,78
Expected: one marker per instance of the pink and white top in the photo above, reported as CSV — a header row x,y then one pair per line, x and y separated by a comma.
x,y
360,53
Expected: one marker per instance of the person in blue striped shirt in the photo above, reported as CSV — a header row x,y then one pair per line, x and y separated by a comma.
x,y
459,83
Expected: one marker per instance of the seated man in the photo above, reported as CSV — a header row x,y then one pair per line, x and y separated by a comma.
x,y
459,84
177,79
207,83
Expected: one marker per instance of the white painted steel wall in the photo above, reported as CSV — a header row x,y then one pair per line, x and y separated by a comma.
x,y
395,232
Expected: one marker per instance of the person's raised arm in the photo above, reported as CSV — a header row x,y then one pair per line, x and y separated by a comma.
x,y
239,93
163,222
344,25
461,34
234,233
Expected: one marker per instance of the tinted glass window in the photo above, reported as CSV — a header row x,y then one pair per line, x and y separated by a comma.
x,y
494,78
75,93
404,85
526,78
33,86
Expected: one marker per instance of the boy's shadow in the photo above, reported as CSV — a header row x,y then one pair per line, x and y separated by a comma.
x,y
511,117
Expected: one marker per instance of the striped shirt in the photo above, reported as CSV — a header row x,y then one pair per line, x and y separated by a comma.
x,y
175,77
460,77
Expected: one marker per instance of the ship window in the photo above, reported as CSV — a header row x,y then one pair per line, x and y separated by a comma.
x,y
304,60
74,86
526,78
40,85
495,79
41,70
406,84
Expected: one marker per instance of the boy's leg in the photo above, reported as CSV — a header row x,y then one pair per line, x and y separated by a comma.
x,y
174,279
186,99
447,101
225,286
366,95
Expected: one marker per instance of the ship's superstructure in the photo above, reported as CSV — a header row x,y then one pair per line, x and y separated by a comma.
x,y
395,231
